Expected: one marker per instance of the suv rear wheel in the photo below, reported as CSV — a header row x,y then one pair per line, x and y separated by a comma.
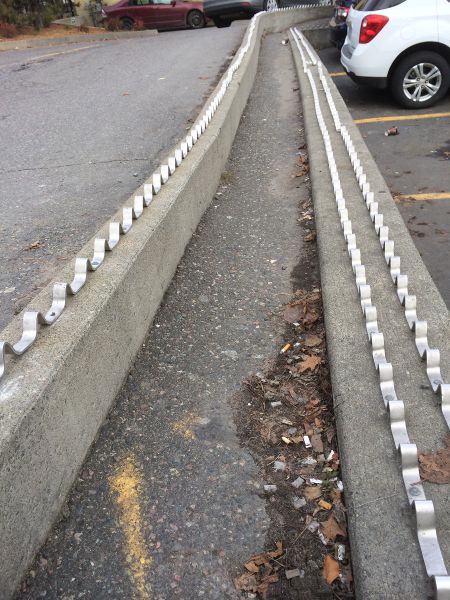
x,y
420,79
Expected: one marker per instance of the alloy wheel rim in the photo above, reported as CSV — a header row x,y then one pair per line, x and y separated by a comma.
x,y
422,82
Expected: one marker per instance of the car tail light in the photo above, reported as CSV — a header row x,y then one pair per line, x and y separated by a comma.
x,y
371,27
342,12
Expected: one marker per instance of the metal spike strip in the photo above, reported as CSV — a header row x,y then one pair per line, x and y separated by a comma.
x,y
32,320
422,508
431,356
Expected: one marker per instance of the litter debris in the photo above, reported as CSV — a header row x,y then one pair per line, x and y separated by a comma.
x,y
325,505
298,502
313,526
298,482
270,489
391,131
278,465
307,443
286,421
340,485
285,42
339,552
286,440
285,348
315,481
309,461
275,404
291,573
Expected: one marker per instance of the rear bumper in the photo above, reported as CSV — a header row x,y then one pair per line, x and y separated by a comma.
x,y
380,83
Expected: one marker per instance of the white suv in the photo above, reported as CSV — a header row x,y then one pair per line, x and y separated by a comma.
x,y
400,44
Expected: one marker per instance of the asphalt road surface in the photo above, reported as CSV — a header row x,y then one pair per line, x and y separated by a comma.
x,y
415,163
81,127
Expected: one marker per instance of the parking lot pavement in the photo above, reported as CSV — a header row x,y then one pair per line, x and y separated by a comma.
x,y
81,127
415,163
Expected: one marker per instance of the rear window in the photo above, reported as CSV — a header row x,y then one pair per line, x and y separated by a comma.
x,y
366,5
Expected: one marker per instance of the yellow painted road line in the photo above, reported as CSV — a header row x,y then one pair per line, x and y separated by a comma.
x,y
338,74
126,483
418,197
395,118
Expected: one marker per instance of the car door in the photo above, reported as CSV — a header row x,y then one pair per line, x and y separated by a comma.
x,y
170,13
143,10
444,21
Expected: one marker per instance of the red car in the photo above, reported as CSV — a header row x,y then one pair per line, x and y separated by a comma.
x,y
157,14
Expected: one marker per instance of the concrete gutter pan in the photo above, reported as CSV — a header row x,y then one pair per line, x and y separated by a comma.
x,y
55,397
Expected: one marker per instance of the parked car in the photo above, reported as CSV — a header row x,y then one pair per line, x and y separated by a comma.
x,y
403,45
157,14
338,23
223,12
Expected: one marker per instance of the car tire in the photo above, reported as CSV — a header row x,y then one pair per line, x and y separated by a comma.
x,y
196,20
420,79
219,22
127,23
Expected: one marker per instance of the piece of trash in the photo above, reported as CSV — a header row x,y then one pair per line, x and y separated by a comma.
x,y
285,348
278,465
340,485
298,482
298,502
270,489
285,42
286,440
307,442
275,404
309,461
325,505
313,526
286,421
292,573
330,456
391,131
315,481
339,552
322,538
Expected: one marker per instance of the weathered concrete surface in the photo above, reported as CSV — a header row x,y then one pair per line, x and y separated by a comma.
x,y
385,553
201,498
55,398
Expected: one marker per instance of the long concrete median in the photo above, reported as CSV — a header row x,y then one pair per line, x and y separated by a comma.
x,y
386,556
54,399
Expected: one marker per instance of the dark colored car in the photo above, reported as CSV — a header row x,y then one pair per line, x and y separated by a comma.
x,y
338,23
223,12
157,14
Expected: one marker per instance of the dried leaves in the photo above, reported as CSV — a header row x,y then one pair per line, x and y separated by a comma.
x,y
309,363
330,569
261,572
435,467
331,529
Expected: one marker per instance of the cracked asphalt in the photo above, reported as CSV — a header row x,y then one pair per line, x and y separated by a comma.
x,y
82,126
169,502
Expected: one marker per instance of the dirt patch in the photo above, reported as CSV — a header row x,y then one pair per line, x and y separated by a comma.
x,y
284,416
54,31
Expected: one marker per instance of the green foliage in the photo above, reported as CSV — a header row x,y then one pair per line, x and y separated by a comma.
x,y
34,13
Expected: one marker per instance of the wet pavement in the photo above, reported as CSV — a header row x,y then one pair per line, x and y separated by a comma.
x,y
169,503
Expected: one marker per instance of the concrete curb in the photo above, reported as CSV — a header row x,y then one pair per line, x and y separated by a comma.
x,y
54,399
385,553
76,39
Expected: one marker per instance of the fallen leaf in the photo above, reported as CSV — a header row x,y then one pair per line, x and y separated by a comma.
x,y
312,493
312,340
310,237
317,444
330,569
293,314
310,363
252,567
245,583
331,529
435,466
264,558
35,245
